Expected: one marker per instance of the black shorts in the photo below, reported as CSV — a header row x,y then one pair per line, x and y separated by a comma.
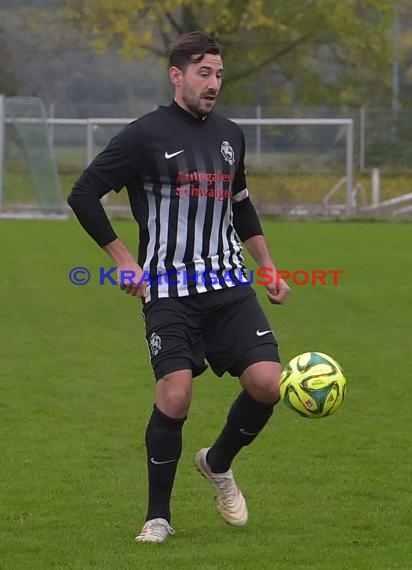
x,y
226,327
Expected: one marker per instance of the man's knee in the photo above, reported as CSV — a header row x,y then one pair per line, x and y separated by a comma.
x,y
265,390
174,393
261,381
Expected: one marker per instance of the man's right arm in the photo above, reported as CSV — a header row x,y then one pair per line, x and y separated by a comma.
x,y
84,200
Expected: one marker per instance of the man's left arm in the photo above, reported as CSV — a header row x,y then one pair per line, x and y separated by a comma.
x,y
248,228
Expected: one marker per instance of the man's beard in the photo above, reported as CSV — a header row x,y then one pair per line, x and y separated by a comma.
x,y
196,109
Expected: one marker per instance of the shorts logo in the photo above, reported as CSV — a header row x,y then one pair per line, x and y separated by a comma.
x,y
155,344
262,333
227,152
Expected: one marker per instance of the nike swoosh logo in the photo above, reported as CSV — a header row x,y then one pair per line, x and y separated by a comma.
x,y
247,432
153,460
172,154
262,333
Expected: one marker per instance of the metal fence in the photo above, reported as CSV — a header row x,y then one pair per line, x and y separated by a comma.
x,y
300,166
320,150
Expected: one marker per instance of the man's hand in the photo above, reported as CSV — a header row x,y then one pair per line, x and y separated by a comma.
x,y
129,276
277,292
129,273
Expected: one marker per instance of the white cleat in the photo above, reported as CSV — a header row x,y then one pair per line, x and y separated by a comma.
x,y
230,502
155,530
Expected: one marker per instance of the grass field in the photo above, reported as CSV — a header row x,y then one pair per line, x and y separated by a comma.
x,y
76,392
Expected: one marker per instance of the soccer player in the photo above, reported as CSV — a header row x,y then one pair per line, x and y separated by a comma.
x,y
183,167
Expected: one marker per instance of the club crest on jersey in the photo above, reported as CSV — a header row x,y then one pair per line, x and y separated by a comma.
x,y
227,152
155,344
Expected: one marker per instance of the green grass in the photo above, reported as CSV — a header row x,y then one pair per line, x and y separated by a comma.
x,y
76,392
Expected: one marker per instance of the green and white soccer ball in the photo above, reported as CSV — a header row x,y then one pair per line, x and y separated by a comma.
x,y
313,385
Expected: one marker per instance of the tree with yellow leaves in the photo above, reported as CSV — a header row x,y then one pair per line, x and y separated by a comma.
x,y
328,47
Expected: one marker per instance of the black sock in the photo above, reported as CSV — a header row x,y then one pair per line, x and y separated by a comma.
x,y
245,420
164,447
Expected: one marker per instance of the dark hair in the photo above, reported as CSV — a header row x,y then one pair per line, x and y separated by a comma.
x,y
186,46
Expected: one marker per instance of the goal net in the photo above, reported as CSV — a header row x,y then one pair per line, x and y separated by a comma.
x,y
29,180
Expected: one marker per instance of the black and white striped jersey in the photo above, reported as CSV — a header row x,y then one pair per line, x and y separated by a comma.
x,y
182,175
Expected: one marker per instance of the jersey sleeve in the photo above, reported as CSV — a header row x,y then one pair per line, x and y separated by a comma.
x,y
245,219
84,200
121,161
239,188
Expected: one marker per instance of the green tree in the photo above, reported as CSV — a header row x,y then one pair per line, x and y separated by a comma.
x,y
327,49
403,54
8,81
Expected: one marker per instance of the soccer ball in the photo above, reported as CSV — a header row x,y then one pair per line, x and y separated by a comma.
x,y
313,385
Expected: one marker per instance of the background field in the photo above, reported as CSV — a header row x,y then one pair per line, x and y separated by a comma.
x,y
76,392
269,188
